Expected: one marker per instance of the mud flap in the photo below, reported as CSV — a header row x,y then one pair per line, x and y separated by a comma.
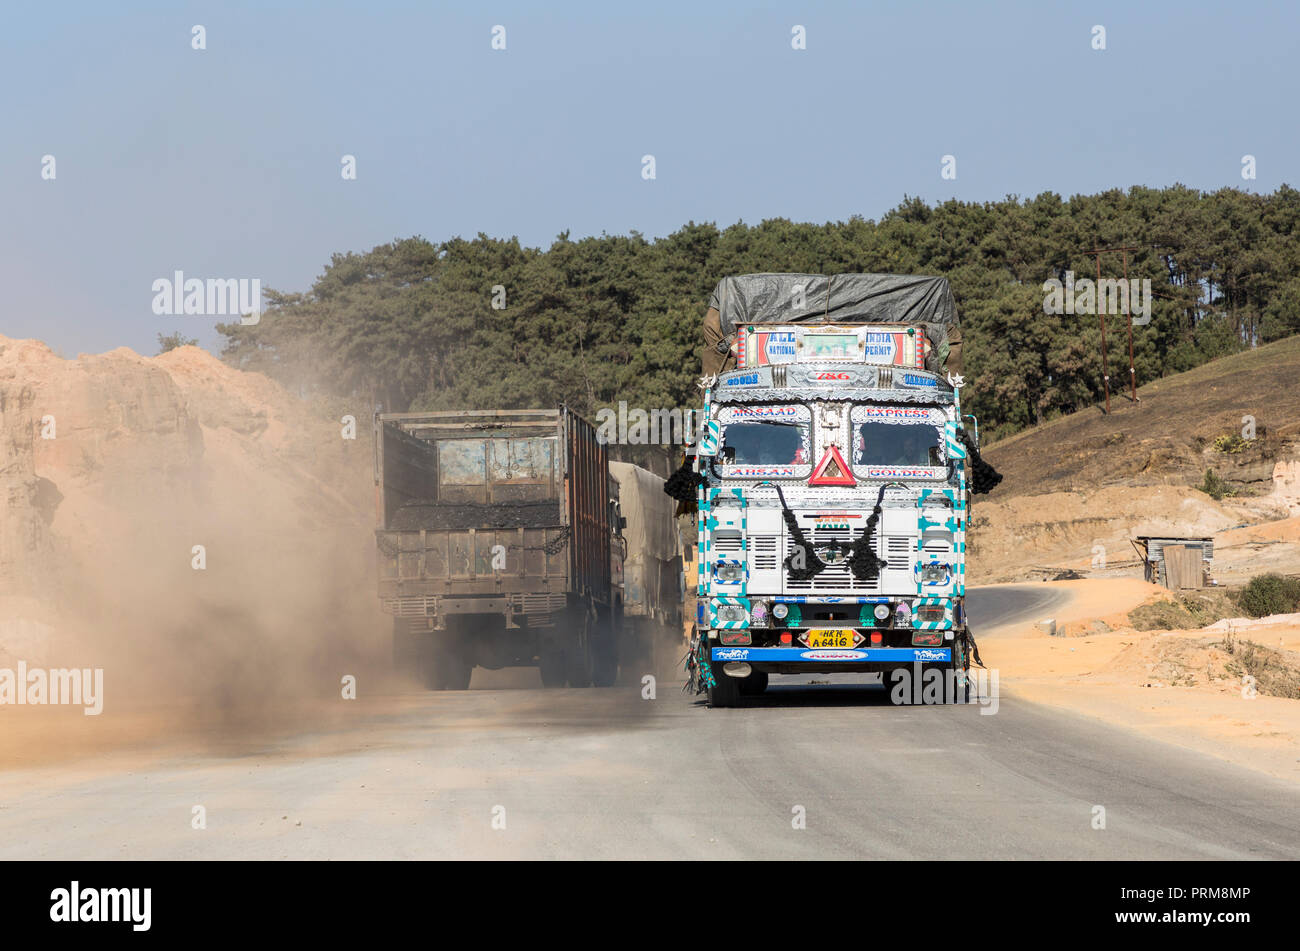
x,y
699,669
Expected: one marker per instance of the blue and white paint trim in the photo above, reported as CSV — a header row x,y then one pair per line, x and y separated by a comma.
x,y
715,620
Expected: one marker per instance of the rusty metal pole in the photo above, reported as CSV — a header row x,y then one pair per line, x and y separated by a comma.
x,y
1128,313
1101,312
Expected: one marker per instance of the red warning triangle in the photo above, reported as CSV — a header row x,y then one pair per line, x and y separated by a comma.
x,y
832,470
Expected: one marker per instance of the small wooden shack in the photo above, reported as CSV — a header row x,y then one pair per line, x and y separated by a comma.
x,y
1176,563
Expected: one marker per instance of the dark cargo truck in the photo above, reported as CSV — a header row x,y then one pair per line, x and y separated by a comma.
x,y
652,573
499,545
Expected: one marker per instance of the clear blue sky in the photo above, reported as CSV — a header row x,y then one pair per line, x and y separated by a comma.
x,y
226,162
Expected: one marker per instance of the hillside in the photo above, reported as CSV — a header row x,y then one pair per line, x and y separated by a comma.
x,y
1091,479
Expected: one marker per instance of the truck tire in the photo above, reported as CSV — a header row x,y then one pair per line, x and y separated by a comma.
x,y
553,665
908,693
754,684
604,666
580,666
413,654
604,651
727,691
580,654
452,667
887,681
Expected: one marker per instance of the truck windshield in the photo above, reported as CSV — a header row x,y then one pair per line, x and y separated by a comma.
x,y
765,443
891,444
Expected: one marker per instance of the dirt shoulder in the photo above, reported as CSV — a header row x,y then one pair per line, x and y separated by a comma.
x,y
1182,687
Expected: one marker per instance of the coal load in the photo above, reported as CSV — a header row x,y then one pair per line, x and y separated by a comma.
x,y
424,515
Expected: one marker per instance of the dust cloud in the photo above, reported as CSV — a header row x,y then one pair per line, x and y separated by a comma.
x,y
198,533
207,540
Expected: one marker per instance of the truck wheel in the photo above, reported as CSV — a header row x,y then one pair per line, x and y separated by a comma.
x,y
580,666
754,684
452,667
580,656
413,653
604,652
604,666
727,691
887,681
553,665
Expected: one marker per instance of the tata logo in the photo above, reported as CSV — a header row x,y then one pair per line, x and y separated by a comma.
x,y
748,379
832,377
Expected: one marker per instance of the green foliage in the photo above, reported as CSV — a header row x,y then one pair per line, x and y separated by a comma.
x,y
1274,673
1184,611
174,340
1215,487
411,324
1230,443
1270,594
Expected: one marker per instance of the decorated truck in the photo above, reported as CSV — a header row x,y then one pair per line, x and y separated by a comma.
x,y
831,483
500,545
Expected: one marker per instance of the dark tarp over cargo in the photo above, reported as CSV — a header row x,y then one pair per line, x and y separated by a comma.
x,y
839,298
910,300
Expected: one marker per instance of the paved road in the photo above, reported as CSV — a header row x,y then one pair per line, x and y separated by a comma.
x,y
607,774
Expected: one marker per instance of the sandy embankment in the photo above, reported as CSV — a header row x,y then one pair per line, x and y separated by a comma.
x,y
198,534
1180,687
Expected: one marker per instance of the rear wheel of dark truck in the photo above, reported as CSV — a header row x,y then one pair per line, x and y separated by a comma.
x,y
581,625
451,661
553,665
604,650
413,652
452,666
593,654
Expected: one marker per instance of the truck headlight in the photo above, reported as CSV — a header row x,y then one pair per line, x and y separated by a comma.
x,y
731,614
779,611
934,572
881,612
930,613
729,571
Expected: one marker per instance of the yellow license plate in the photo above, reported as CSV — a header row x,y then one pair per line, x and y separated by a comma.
x,y
830,637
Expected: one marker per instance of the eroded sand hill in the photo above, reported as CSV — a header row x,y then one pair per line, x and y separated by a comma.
x,y
118,470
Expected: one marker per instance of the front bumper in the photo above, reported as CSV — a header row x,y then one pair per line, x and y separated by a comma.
x,y
827,655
